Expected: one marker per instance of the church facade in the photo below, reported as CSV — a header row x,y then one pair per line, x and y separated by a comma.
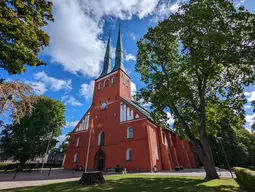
x,y
122,132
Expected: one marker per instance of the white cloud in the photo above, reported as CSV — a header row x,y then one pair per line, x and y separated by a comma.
x,y
60,139
239,3
39,87
76,35
250,119
165,8
250,96
87,90
71,124
52,83
174,8
71,100
133,89
132,35
130,57
170,118
144,104
247,106
247,93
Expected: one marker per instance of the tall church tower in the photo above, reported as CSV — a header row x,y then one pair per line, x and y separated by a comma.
x,y
112,83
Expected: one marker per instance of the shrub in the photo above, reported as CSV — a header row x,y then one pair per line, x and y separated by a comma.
x,y
246,176
13,166
2,166
117,169
181,167
177,168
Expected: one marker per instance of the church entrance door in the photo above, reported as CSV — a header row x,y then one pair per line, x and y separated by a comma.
x,y
100,160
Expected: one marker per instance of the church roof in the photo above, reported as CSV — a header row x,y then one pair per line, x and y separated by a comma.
x,y
107,59
119,58
143,111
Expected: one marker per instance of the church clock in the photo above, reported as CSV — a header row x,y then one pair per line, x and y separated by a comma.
x,y
103,105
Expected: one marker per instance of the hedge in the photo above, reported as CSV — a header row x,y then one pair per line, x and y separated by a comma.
x,y
13,166
246,176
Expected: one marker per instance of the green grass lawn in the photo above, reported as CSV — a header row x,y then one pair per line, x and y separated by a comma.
x,y
135,183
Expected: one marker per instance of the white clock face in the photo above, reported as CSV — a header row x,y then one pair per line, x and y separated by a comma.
x,y
104,105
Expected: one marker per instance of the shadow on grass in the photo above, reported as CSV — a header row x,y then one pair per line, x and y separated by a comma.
x,y
141,184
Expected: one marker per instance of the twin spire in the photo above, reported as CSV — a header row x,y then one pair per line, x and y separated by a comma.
x,y
119,58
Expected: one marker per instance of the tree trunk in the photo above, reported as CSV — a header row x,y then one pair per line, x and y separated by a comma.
x,y
204,153
91,178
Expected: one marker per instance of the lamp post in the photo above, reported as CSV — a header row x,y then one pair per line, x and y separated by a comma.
x,y
219,140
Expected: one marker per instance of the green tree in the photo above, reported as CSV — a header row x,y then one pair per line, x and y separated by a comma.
x,y
200,57
253,125
21,34
29,138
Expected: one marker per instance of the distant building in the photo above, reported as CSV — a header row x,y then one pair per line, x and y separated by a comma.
x,y
124,132
55,157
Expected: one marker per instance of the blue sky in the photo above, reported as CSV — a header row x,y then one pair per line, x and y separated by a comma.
x,y
78,39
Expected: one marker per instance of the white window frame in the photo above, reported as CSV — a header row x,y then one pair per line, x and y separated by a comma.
x,y
78,142
156,152
75,158
99,86
105,82
128,133
128,158
99,138
113,80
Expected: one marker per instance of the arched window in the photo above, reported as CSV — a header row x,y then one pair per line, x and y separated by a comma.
x,y
106,83
75,158
113,80
99,86
101,139
129,155
129,132
78,142
156,152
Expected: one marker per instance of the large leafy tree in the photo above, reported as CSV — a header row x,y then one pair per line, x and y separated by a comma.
x,y
21,34
29,138
198,59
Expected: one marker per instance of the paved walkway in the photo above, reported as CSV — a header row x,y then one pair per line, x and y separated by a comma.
x,y
191,172
35,178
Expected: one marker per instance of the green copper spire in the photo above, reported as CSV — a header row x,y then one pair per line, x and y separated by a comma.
x,y
107,59
119,55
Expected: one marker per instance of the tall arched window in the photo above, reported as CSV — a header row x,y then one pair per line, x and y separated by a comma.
x,y
78,142
129,132
75,158
106,83
129,154
113,80
101,139
99,86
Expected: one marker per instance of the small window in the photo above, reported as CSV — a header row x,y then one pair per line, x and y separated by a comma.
x,y
75,158
78,142
101,139
129,132
106,83
156,152
113,80
99,86
129,155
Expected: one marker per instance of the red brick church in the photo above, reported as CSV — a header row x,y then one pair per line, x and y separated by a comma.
x,y
124,133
